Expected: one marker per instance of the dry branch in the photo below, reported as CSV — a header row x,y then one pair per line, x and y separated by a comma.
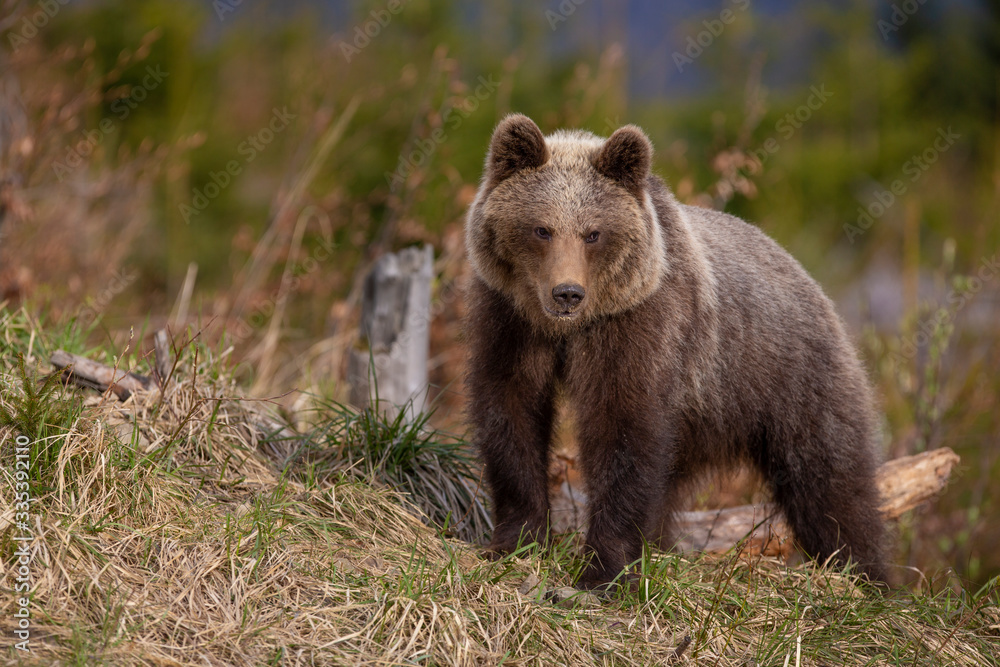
x,y
903,483
94,375
161,347
279,441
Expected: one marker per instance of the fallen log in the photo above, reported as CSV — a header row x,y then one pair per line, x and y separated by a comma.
x,y
90,374
904,484
909,481
95,375
278,440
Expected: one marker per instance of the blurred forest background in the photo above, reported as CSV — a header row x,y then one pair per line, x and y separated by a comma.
x,y
231,168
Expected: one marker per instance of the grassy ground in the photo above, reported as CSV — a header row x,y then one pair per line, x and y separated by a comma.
x,y
170,530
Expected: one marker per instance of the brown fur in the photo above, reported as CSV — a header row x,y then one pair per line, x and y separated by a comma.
x,y
685,339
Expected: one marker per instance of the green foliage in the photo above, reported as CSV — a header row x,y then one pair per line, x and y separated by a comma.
x,y
738,606
397,448
35,409
40,410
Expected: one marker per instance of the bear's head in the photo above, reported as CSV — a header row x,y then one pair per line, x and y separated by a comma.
x,y
564,225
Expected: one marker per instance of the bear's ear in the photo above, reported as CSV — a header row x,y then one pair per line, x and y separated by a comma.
x,y
517,144
625,158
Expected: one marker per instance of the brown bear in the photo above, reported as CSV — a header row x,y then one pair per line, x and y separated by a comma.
x,y
684,338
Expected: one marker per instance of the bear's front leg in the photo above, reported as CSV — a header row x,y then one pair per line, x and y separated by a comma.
x,y
625,467
511,390
626,451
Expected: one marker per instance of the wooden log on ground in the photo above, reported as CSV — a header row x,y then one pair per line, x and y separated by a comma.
x,y
94,375
904,484
719,530
908,481
278,440
394,336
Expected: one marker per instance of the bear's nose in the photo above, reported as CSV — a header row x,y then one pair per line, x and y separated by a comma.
x,y
568,295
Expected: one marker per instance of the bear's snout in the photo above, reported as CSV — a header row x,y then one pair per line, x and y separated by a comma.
x,y
568,296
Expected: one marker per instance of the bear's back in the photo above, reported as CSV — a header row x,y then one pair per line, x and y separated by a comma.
x,y
776,328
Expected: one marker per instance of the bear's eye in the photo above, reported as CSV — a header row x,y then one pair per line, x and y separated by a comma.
x,y
543,233
592,237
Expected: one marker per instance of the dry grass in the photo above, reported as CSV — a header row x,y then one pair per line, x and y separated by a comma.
x,y
165,534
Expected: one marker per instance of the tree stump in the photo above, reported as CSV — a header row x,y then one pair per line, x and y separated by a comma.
x,y
390,358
